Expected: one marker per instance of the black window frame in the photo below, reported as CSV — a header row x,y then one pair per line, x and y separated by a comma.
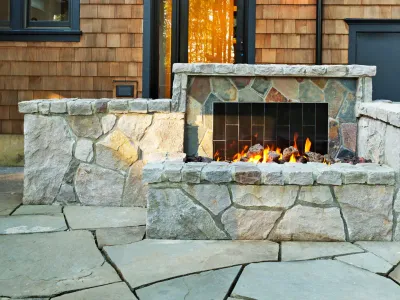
x,y
20,28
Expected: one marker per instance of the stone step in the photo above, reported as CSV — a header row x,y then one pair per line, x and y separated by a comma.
x,y
32,224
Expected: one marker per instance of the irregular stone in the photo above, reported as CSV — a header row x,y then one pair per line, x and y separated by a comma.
x,y
193,113
324,174
268,196
134,126
191,172
349,135
392,156
208,111
216,173
88,127
66,195
153,173
79,108
334,95
98,186
396,236
224,89
303,223
309,92
116,151
328,279
319,194
138,106
118,106
261,85
371,139
84,217
48,153
347,111
249,95
367,261
200,88
289,87
173,215
172,171
206,145
298,174
334,137
184,257
241,82
243,224
271,174
38,210
275,96
99,106
118,291
41,272
389,251
157,139
32,224
320,82
395,275
119,236
58,107
9,202
84,150
135,190
108,122
367,211
310,250
207,285
246,173
378,174
159,105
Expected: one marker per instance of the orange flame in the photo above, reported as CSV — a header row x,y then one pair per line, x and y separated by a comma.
x,y
278,151
307,147
266,154
296,136
292,159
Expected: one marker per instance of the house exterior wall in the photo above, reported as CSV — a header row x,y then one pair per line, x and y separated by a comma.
x,y
110,49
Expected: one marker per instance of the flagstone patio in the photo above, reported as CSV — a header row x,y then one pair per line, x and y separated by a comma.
x,y
74,252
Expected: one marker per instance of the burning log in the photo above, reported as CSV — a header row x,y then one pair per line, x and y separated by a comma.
x,y
255,151
273,156
289,152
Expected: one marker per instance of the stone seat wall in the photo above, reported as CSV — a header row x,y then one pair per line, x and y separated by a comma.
x,y
310,202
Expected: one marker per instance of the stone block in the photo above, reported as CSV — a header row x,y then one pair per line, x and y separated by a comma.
x,y
294,70
319,194
324,174
271,174
336,70
316,70
181,68
350,173
396,205
203,68
153,173
28,107
298,174
79,108
138,105
58,107
44,107
191,172
378,174
84,150
244,69
108,122
246,174
135,191
393,113
159,105
392,153
99,106
217,173
224,68
367,94
172,171
268,70
361,71
118,106
371,139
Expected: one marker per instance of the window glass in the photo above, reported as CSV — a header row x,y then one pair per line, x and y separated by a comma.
x,y
4,10
48,10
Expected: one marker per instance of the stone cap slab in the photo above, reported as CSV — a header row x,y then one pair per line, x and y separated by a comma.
x,y
85,107
379,110
352,71
269,173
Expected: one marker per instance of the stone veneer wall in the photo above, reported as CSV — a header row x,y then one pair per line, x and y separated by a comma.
x,y
311,202
92,152
198,86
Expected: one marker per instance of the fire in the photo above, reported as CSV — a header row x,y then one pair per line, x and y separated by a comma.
x,y
216,156
293,159
279,151
296,136
238,156
307,147
266,154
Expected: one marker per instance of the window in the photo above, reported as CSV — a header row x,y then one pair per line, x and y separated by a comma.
x,y
39,20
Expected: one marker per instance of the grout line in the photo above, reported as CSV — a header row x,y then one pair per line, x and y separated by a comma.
x,y
235,281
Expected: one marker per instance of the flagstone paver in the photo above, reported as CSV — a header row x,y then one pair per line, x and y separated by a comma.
x,y
395,274
119,236
32,224
48,264
206,285
320,279
38,210
88,217
117,291
11,180
389,251
310,250
154,260
367,261
9,202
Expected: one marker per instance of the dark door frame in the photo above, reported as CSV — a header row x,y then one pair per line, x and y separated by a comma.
x,y
244,50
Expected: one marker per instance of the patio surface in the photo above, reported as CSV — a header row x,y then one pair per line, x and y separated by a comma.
x,y
54,252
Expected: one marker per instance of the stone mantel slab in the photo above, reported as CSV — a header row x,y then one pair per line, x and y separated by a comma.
x,y
352,71
383,111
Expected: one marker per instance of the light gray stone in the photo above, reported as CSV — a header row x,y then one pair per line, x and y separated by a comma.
x,y
172,171
191,172
118,106
246,174
249,95
243,224
217,173
44,107
292,251
153,173
367,211
179,258
324,174
320,279
367,261
267,196
66,195
371,139
316,70
108,122
85,217
393,113
173,215
294,70
9,202
351,174
115,151
336,70
181,68
135,190
134,126
118,291
138,106
47,267
98,186
119,236
298,174
395,275
38,210
392,156
396,236
378,174
302,223
268,70
214,197
84,150
100,106
32,224
396,205
319,194
361,71
206,285
28,107
224,68
48,153
79,108
389,251
271,174
88,127
58,107
159,105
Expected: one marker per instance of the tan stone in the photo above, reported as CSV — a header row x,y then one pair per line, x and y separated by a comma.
x,y
289,87
134,126
206,145
193,113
